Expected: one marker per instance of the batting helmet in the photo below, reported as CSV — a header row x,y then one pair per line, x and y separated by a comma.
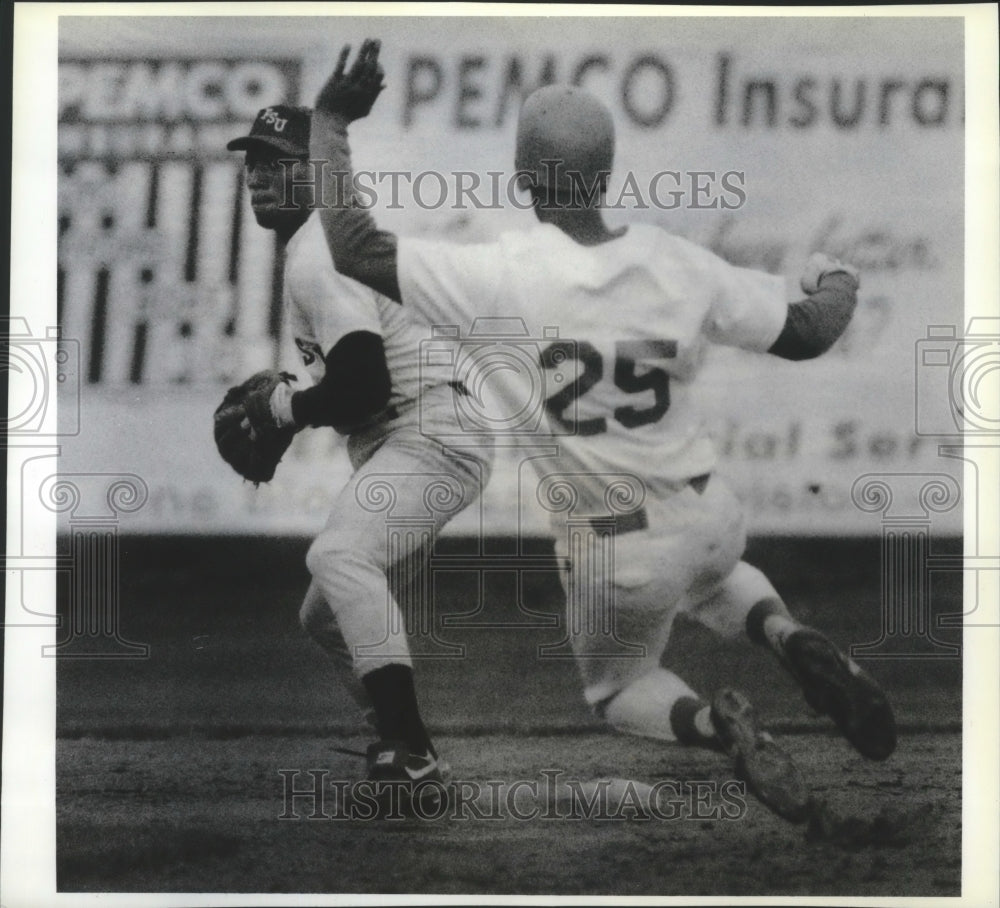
x,y
565,135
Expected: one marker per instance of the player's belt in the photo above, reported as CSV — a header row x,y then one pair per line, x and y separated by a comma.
x,y
639,519
622,523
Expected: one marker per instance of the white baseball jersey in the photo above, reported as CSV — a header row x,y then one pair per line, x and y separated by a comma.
x,y
618,332
323,306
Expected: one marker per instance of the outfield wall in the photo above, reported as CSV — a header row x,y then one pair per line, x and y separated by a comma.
x,y
762,139
226,651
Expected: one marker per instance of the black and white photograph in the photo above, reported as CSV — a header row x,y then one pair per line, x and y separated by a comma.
x,y
495,453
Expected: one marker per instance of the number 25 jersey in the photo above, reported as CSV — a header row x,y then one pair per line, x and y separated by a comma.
x,y
616,333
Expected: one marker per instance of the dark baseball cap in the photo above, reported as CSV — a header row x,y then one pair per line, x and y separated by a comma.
x,y
280,126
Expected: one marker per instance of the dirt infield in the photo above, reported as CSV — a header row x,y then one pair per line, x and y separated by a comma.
x,y
173,770
187,814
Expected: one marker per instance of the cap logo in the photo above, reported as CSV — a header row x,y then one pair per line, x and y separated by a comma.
x,y
271,117
281,126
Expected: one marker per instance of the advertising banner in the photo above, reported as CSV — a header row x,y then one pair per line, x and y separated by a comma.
x,y
762,139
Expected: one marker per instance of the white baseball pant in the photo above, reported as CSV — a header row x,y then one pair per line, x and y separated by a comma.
x,y
406,487
623,594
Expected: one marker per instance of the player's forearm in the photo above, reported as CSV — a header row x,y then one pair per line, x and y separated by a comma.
x,y
355,387
359,249
814,325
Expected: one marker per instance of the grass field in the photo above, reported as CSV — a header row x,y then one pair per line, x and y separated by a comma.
x,y
169,768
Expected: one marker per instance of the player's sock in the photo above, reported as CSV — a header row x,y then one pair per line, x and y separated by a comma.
x,y
397,716
769,624
691,720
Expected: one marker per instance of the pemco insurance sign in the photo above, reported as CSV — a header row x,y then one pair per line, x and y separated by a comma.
x,y
762,140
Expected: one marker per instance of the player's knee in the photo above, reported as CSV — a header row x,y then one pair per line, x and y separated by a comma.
x,y
314,557
346,571
313,617
327,551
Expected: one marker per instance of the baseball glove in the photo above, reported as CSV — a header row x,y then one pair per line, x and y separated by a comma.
x,y
352,94
245,432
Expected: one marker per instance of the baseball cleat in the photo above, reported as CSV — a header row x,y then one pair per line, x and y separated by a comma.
x,y
837,687
411,777
770,774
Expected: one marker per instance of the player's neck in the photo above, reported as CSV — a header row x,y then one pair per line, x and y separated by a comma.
x,y
584,225
287,229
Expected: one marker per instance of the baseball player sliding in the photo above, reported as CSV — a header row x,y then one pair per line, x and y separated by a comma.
x,y
635,308
361,350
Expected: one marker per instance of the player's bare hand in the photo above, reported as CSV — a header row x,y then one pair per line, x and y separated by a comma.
x,y
352,92
819,266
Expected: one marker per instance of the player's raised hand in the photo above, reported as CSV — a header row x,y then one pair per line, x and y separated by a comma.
x,y
352,92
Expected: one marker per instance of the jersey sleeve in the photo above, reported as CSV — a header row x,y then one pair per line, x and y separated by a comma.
x,y
325,305
448,283
747,307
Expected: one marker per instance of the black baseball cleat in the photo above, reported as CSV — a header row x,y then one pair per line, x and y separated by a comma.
x,y
770,774
413,782
391,761
837,687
